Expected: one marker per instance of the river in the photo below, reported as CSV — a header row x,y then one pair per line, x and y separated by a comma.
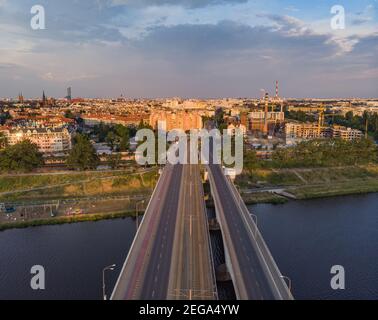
x,y
306,239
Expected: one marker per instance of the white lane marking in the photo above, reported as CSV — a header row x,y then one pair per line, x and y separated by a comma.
x,y
190,225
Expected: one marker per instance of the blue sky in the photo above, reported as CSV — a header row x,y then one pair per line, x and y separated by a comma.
x,y
189,48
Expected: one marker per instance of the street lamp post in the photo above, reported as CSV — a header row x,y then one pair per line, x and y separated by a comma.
x,y
240,203
240,193
136,214
288,280
254,216
111,268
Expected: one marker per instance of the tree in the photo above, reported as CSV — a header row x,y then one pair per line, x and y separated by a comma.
x,y
144,125
4,116
376,135
349,116
114,160
327,153
124,143
83,155
21,157
3,140
117,137
123,137
68,114
251,162
111,139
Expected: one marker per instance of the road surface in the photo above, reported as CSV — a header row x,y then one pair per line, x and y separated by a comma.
x,y
192,272
254,271
171,257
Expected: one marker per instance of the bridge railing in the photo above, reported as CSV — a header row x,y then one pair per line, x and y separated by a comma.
x,y
233,270
136,235
274,272
210,246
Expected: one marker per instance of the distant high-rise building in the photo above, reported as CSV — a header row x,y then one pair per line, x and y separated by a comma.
x,y
44,100
20,98
69,96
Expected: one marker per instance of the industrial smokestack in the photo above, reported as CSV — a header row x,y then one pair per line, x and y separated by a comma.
x,y
266,113
277,94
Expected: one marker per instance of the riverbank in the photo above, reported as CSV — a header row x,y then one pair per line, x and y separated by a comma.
x,y
70,197
263,186
19,188
263,197
66,220
302,184
311,192
334,190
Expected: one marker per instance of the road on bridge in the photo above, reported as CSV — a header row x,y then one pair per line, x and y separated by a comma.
x,y
170,256
255,275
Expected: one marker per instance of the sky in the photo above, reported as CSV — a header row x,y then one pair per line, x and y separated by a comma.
x,y
189,48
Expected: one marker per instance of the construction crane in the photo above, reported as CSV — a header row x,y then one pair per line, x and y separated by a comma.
x,y
266,112
321,111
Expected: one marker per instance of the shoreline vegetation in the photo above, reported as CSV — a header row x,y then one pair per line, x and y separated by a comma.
x,y
274,186
309,193
66,220
279,186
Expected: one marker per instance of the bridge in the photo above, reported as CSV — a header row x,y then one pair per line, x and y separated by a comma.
x,y
253,270
170,257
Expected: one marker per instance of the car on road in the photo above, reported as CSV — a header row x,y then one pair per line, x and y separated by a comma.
x,y
74,212
6,208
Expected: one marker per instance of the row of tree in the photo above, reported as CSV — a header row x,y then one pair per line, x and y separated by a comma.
x,y
25,156
316,153
300,116
359,122
117,136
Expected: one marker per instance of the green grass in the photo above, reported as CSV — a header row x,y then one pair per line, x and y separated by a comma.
x,y
283,178
14,183
75,185
263,197
65,220
331,190
321,182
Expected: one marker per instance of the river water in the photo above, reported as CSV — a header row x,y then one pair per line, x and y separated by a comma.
x,y
306,239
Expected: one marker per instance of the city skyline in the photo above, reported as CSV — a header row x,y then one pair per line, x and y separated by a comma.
x,y
190,49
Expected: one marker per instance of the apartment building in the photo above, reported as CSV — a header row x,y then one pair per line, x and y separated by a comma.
x,y
306,130
309,130
48,140
184,120
92,120
256,119
346,133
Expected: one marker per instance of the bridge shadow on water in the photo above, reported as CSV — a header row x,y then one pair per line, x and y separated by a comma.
x,y
225,288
